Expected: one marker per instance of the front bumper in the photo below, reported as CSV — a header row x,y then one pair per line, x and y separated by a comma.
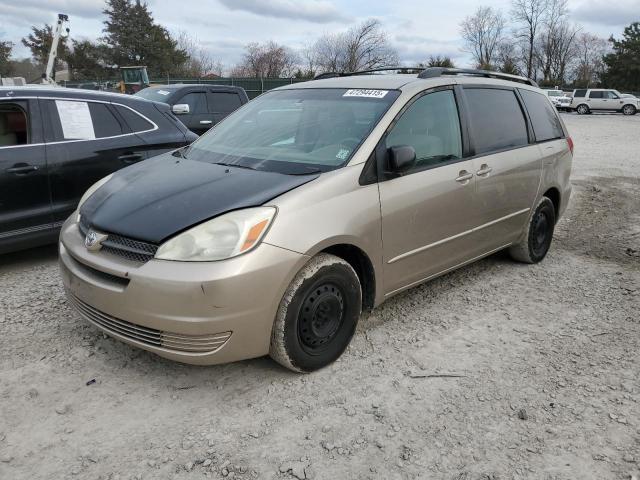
x,y
193,312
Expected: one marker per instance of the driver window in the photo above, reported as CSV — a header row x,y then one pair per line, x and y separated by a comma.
x,y
13,126
612,95
432,127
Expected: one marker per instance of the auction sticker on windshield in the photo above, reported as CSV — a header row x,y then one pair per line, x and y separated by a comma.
x,y
365,93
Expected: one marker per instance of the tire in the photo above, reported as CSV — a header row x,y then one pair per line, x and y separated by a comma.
x,y
317,316
535,242
629,110
582,109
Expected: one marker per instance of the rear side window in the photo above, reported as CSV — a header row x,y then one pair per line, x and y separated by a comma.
x,y
136,122
580,94
431,126
79,120
105,124
545,121
497,120
224,102
596,94
197,102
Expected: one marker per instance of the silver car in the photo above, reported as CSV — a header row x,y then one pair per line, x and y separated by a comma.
x,y
276,229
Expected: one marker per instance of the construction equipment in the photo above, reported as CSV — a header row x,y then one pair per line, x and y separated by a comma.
x,y
134,79
62,30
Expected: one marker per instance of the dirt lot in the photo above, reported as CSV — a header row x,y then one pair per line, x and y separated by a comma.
x,y
539,370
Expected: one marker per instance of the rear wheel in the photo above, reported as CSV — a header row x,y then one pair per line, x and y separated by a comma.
x,y
582,109
317,315
537,238
629,110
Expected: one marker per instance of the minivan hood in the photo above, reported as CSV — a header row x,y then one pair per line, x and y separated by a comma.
x,y
157,198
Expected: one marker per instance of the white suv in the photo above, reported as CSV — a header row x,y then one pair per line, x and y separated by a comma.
x,y
559,99
598,99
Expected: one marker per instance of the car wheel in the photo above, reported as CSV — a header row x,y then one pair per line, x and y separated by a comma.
x,y
317,315
582,109
629,110
537,238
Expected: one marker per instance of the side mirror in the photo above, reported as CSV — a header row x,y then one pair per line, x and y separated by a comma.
x,y
401,158
180,108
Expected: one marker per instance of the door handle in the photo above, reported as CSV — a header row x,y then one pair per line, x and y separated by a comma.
x,y
130,157
205,122
484,170
22,168
464,177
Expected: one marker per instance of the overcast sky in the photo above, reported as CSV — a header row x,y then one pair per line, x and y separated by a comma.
x,y
417,28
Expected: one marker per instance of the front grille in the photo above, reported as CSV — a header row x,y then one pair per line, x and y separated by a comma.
x,y
150,336
127,248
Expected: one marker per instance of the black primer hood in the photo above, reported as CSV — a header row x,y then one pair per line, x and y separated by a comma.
x,y
157,198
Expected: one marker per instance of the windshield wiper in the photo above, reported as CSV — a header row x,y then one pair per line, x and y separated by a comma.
x,y
234,165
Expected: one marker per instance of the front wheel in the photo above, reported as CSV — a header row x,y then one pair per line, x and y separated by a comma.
x,y
317,315
535,243
582,109
629,110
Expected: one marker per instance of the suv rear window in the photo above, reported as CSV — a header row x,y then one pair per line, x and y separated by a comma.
x,y
497,119
545,121
579,93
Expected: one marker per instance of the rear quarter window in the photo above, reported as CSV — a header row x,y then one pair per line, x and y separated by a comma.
x,y
497,121
544,119
579,93
135,121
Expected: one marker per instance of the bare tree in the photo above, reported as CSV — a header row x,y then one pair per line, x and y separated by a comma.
x,y
556,43
590,66
200,62
482,33
529,15
267,60
362,47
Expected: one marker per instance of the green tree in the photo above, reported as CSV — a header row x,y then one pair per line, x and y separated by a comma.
x,y
623,65
134,38
439,61
86,60
39,42
5,54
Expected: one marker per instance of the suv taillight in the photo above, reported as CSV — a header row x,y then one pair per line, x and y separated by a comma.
x,y
570,143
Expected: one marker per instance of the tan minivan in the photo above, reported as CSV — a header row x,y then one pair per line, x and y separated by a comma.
x,y
272,232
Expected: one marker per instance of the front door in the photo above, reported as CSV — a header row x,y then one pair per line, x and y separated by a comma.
x,y
198,120
428,212
25,202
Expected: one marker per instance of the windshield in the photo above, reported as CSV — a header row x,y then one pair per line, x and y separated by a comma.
x,y
295,131
155,94
554,93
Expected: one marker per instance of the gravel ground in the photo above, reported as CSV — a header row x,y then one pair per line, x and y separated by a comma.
x,y
496,371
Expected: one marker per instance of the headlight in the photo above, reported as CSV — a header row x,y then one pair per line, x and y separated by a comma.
x,y
223,237
91,191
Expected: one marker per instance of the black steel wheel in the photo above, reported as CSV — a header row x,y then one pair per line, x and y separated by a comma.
x,y
537,237
318,315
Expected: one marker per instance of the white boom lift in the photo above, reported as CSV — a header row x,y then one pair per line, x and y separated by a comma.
x,y
62,30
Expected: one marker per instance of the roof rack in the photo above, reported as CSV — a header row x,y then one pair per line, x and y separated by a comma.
x,y
409,70
434,72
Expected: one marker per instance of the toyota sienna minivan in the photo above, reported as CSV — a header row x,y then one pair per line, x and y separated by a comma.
x,y
276,229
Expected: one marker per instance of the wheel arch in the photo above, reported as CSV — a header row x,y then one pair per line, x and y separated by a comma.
x,y
361,263
553,194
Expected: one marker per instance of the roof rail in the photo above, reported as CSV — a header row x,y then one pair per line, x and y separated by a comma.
x,y
410,70
434,72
